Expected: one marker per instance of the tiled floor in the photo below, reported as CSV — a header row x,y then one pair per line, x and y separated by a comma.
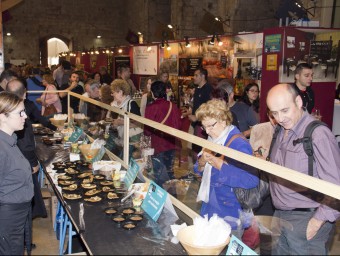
x,y
47,244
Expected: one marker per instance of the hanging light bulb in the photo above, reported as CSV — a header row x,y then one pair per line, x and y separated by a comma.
x,y
212,41
187,43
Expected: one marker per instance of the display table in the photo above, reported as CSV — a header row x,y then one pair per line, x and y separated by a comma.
x,y
101,235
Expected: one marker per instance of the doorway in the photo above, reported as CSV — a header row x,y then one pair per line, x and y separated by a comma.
x,y
50,46
54,47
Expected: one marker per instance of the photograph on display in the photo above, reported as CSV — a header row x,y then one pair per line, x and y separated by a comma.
x,y
290,42
248,56
315,49
215,56
169,59
272,43
144,60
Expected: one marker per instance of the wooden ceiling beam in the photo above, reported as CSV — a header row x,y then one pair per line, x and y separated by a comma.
x,y
7,4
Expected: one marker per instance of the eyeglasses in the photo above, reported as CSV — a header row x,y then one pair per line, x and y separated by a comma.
x,y
256,91
22,113
205,128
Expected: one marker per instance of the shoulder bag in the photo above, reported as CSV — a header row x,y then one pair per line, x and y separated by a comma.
x,y
251,198
50,109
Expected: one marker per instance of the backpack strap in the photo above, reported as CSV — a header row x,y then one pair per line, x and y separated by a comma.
x,y
276,132
308,143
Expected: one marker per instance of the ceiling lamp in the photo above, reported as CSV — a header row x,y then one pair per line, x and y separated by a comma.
x,y
187,43
99,36
212,41
120,50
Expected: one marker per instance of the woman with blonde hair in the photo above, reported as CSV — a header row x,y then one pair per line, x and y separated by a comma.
x,y
16,186
220,173
49,99
120,90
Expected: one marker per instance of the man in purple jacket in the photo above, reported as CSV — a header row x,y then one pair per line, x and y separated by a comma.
x,y
310,219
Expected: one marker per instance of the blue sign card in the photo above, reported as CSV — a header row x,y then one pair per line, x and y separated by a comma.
x,y
237,247
131,173
154,201
100,155
76,134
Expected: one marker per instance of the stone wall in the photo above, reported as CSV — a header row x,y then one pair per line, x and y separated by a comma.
x,y
80,21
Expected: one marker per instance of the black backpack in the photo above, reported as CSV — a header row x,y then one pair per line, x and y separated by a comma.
x,y
308,143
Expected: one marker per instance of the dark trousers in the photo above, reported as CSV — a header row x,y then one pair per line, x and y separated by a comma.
x,y
38,205
14,219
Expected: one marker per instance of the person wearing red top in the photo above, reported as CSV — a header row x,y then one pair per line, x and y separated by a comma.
x,y
165,112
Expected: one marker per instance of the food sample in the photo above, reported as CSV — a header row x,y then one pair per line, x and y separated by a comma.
x,y
92,192
88,185
136,217
128,211
93,199
71,196
129,225
110,211
108,189
84,175
99,177
66,182
106,183
64,177
71,171
112,195
71,187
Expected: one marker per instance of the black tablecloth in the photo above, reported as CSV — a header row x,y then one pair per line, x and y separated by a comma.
x,y
102,236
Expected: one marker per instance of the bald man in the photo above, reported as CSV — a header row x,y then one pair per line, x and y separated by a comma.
x,y
311,220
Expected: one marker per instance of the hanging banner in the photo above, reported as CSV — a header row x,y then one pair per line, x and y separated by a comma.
x,y
144,61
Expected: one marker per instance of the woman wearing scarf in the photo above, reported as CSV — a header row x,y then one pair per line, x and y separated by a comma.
x,y
120,90
220,173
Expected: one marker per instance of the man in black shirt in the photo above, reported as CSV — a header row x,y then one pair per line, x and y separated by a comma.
x,y
72,86
303,79
202,95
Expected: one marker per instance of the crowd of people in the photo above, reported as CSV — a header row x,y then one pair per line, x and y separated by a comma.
x,y
213,114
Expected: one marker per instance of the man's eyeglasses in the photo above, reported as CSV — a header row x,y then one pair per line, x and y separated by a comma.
x,y
22,113
205,128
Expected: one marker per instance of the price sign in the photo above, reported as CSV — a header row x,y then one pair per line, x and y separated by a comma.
x,y
76,134
131,173
154,201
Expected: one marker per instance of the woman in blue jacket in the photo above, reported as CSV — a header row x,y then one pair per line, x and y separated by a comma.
x,y
221,173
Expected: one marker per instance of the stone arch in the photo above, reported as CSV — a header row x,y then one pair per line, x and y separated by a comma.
x,y
43,50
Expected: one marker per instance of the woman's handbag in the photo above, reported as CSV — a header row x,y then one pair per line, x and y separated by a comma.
x,y
251,198
50,110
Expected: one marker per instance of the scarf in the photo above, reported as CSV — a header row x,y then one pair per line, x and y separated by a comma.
x,y
204,191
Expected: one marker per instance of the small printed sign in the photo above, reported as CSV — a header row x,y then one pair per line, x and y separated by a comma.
x,y
76,134
154,201
237,247
131,173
